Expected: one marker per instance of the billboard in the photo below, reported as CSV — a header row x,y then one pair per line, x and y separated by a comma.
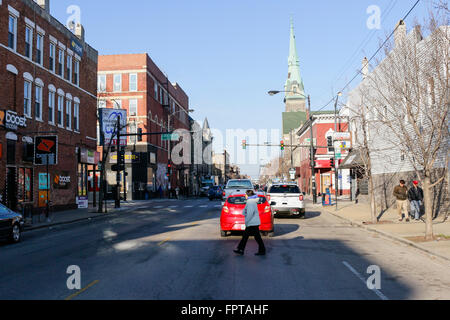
x,y
46,150
108,124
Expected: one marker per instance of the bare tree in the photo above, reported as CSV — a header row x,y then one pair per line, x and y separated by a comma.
x,y
408,92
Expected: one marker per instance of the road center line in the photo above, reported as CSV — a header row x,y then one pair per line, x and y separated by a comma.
x,y
82,290
378,292
164,241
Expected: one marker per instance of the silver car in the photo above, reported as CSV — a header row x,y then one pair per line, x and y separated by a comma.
x,y
237,186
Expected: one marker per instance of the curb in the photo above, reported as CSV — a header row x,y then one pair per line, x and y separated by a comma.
x,y
390,236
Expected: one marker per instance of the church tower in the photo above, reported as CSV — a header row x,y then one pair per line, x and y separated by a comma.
x,y
295,97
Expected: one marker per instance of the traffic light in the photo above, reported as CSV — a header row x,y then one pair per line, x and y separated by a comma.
x,y
332,162
139,138
282,145
169,170
244,144
121,156
330,144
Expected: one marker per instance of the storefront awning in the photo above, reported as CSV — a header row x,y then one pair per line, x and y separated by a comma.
x,y
353,160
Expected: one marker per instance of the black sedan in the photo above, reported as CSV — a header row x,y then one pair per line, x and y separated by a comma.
x,y
11,224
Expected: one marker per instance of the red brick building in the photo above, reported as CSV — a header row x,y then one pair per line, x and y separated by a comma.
x,y
135,83
323,127
48,79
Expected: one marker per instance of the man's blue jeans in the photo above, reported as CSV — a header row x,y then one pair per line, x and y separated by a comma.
x,y
415,207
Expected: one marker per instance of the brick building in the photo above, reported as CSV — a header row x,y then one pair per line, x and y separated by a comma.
x,y
323,127
135,83
48,87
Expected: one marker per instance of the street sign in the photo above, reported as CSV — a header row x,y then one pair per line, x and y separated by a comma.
x,y
46,150
171,137
341,136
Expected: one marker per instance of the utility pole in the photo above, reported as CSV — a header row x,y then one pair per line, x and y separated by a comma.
x,y
119,163
312,151
336,162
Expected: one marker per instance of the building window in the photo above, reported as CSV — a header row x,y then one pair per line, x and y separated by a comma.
x,y
27,99
52,57
61,63
102,104
12,32
133,130
28,42
117,104
60,111
76,76
156,91
25,185
76,116
39,46
101,83
51,107
38,103
69,68
133,82
68,114
133,107
161,97
117,83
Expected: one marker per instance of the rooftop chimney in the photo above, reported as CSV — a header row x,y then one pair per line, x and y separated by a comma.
x,y
365,68
400,33
44,4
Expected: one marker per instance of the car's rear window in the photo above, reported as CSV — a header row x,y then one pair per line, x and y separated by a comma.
x,y
285,189
243,200
240,184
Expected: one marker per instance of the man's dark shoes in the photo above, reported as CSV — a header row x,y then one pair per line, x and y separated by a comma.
x,y
240,252
260,254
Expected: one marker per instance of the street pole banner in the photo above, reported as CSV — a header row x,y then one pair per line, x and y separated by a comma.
x,y
108,123
46,150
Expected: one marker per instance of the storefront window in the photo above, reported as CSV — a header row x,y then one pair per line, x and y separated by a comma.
x,y
25,183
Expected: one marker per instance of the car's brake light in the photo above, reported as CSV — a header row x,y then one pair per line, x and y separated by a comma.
x,y
267,209
223,194
300,198
225,209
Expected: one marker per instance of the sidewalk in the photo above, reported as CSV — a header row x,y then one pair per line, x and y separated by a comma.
x,y
411,233
70,216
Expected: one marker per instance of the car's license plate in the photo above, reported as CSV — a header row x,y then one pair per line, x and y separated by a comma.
x,y
240,227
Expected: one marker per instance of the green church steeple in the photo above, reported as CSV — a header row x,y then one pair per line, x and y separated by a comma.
x,y
294,81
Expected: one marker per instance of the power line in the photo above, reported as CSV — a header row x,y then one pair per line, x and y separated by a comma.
x,y
374,55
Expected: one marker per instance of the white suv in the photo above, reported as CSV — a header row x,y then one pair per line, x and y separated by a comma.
x,y
287,199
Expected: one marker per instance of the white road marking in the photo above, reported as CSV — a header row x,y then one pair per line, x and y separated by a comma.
x,y
203,206
378,292
188,206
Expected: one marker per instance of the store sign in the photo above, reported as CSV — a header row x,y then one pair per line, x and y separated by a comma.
x,y
76,46
129,158
88,156
46,150
61,181
83,202
11,120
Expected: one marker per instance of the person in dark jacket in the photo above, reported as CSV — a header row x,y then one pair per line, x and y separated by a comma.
x,y
401,194
415,196
252,223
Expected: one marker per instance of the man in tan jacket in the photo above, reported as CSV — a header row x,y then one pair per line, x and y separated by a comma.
x,y
401,194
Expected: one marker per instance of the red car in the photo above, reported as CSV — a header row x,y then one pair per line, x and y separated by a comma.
x,y
232,218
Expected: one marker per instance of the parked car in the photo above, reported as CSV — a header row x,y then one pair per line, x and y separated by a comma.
x,y
11,224
232,218
215,192
287,199
237,186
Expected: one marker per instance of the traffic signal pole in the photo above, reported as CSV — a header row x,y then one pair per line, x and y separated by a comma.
x,y
117,203
312,156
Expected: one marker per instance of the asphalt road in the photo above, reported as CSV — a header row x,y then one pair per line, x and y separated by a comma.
x,y
173,250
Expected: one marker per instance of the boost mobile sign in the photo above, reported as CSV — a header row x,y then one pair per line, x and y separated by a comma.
x,y
11,120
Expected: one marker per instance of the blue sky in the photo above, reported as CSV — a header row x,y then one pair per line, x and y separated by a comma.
x,y
227,54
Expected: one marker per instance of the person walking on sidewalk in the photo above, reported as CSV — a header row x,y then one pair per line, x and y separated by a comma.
x,y
401,194
252,223
415,196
